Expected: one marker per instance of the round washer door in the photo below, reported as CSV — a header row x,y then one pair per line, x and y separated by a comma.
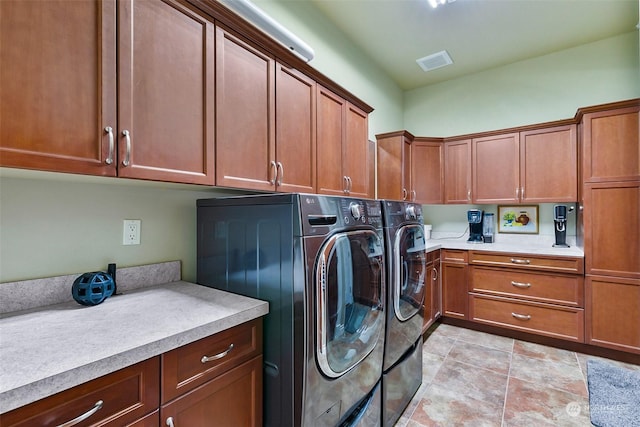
x,y
349,283
409,271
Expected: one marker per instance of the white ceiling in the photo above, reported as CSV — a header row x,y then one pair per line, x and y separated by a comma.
x,y
478,34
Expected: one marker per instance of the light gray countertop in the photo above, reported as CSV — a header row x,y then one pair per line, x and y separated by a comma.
x,y
520,246
53,348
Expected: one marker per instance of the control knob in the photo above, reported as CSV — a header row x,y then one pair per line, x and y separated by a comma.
x,y
411,212
356,210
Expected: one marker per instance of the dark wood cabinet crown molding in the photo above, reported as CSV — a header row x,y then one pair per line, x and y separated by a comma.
x,y
603,107
226,17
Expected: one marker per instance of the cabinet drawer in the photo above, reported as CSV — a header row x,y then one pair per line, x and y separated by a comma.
x,y
126,396
455,255
555,289
193,364
231,399
526,261
544,319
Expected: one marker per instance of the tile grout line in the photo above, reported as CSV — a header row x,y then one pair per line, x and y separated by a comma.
x,y
506,389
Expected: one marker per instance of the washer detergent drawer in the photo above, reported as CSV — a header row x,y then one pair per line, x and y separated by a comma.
x,y
400,384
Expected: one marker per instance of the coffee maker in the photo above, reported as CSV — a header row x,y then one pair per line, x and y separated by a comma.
x,y
475,216
560,222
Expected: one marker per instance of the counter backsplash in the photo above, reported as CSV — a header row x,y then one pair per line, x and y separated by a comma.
x,y
30,294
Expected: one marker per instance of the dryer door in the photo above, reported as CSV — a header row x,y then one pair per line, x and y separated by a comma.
x,y
349,281
409,270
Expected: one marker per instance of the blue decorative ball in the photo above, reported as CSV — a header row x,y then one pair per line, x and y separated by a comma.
x,y
92,288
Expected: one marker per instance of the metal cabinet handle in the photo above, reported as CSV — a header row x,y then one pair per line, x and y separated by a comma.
x,y
469,195
521,316
127,156
413,195
350,184
96,407
520,261
404,194
522,193
274,172
206,359
345,180
169,422
109,131
517,193
434,274
521,285
280,173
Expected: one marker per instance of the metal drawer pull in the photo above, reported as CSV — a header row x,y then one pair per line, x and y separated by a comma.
x,y
206,359
280,175
521,316
109,131
404,194
520,261
127,154
521,285
169,422
274,172
97,406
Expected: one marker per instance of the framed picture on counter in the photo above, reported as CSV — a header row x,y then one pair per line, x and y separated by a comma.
x,y
518,219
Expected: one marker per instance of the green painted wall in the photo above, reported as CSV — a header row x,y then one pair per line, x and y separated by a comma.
x,y
538,90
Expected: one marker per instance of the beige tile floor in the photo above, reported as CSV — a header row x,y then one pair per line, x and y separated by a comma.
x,y
471,378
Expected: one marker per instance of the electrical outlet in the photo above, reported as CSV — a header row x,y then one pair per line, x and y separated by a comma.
x,y
131,232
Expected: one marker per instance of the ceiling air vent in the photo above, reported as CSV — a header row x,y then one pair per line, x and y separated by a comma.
x,y
435,61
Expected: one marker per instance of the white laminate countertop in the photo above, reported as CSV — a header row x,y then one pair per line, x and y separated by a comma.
x,y
523,246
53,348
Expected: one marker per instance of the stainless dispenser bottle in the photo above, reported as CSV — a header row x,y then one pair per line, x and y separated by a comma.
x,y
488,230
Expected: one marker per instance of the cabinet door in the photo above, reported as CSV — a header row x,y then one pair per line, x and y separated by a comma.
x,y
427,307
58,85
355,149
245,102
613,312
457,171
611,151
611,217
454,288
436,280
166,97
330,134
426,172
394,166
232,399
495,165
549,165
295,131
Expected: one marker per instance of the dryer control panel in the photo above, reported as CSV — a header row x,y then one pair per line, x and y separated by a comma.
x,y
321,214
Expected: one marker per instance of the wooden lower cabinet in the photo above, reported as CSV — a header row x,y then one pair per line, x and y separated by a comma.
x,y
433,295
613,312
454,284
543,319
232,399
126,396
213,381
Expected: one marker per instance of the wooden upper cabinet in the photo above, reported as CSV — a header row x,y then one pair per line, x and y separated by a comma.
x,y
58,85
342,145
355,150
457,171
426,171
166,100
394,165
330,133
495,169
295,131
549,165
611,150
245,102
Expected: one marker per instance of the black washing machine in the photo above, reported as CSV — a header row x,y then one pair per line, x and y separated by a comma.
x,y
405,247
319,262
